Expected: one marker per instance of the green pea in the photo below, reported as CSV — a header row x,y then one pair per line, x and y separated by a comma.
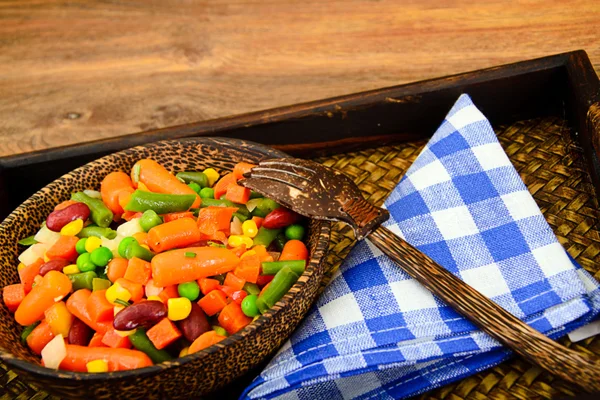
x,y
207,193
101,256
195,187
80,246
124,245
249,306
149,220
190,290
294,232
84,263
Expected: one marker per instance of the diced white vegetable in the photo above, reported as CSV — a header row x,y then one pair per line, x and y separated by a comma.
x,y
46,236
54,352
151,289
34,252
251,204
235,227
112,245
130,228
93,193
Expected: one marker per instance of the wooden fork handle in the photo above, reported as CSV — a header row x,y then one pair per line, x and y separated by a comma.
x,y
578,368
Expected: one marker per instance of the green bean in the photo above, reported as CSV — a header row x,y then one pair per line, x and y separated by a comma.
x,y
141,201
240,216
280,241
226,203
199,178
28,241
265,236
140,341
251,288
27,331
149,220
99,213
255,195
279,286
83,280
100,284
264,207
273,267
97,231
136,250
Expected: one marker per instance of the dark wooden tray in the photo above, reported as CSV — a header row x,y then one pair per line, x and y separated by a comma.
x,y
564,86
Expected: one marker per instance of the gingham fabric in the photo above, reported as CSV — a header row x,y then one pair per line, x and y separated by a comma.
x,y
377,333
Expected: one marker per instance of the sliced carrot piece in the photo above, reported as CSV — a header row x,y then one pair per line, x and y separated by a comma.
x,y
97,340
232,318
237,194
170,235
138,271
13,295
117,268
177,215
241,168
233,281
63,248
28,273
222,185
258,221
294,250
213,302
53,287
112,186
64,204
141,237
169,292
207,285
204,341
99,309
136,290
77,305
163,333
112,339
117,359
248,268
39,337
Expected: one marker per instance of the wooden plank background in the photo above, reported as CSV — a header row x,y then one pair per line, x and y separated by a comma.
x,y
74,71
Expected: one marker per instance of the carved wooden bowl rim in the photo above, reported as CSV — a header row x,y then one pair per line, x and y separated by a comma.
x,y
223,145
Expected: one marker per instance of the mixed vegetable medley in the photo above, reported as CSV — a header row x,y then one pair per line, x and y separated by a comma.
x,y
151,267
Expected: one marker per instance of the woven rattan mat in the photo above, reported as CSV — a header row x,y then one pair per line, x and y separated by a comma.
x,y
552,167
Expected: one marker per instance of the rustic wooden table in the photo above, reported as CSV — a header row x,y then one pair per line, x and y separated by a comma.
x,y
74,71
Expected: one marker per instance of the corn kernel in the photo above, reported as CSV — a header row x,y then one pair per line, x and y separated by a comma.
x,y
71,269
72,228
20,266
248,253
212,176
238,240
97,366
184,351
157,298
247,241
142,186
46,258
178,308
92,243
115,292
117,309
249,228
145,246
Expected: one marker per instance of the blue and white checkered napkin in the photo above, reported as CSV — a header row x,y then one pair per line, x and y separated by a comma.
x,y
377,333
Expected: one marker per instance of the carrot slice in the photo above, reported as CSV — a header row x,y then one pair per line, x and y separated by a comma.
x,y
205,340
117,359
177,215
63,248
234,282
39,337
163,333
258,221
117,268
237,194
207,285
141,237
190,264
294,250
170,235
114,340
249,268
232,318
241,168
213,302
169,292
28,274
97,340
159,180
138,271
13,295
222,185
64,204
99,309
136,290
213,220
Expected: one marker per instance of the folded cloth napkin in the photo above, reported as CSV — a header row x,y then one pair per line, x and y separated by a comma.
x,y
377,333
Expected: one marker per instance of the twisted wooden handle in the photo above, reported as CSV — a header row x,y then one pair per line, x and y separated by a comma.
x,y
580,369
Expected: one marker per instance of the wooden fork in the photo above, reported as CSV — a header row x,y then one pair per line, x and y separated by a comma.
x,y
319,192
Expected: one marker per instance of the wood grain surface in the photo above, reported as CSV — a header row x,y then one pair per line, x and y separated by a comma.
x,y
75,71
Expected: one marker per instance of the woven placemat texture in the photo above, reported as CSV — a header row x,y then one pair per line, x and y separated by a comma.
x,y
551,165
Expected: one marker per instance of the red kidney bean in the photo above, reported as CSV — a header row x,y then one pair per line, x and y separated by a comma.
x,y
79,333
59,218
280,218
195,324
53,265
145,313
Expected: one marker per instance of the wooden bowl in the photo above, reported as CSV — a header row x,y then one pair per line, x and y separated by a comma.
x,y
195,374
